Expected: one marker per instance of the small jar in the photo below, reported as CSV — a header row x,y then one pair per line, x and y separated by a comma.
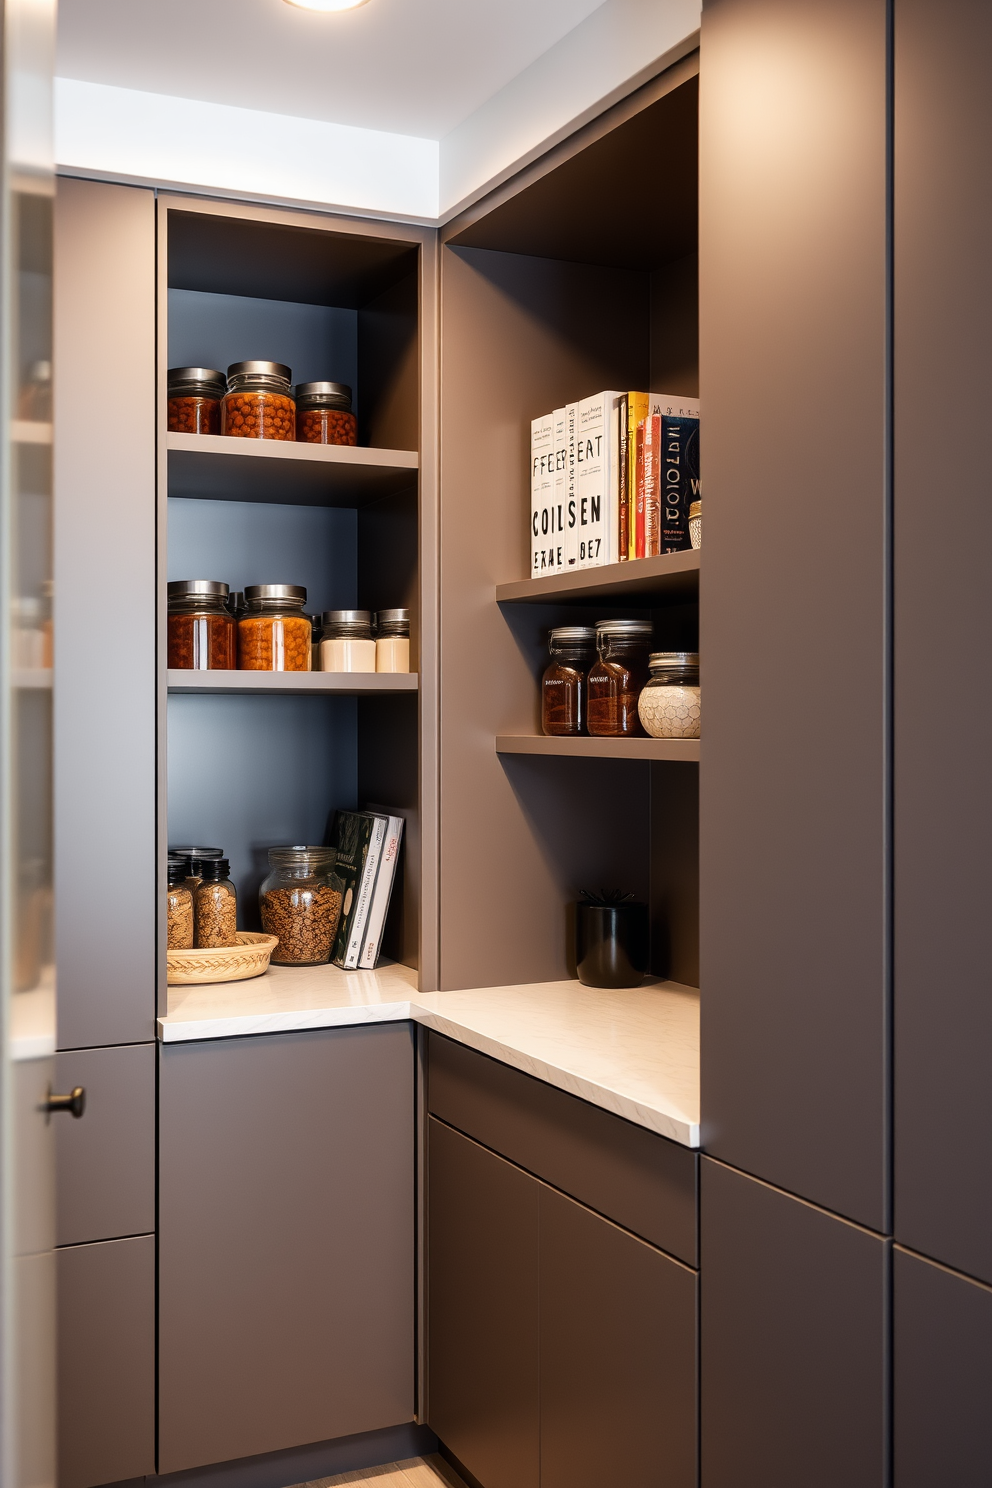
x,y
323,413
258,403
563,686
193,858
696,524
300,902
616,678
194,397
274,633
179,903
669,704
346,641
215,906
392,641
201,627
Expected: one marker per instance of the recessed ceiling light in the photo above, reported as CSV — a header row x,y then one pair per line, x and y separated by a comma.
x,y
327,4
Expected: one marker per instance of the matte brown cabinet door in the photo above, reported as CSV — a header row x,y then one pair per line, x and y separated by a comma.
x,y
484,1390
286,1241
618,1356
791,1341
943,631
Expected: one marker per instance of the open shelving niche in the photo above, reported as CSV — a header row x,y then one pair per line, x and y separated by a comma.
x,y
578,274
256,760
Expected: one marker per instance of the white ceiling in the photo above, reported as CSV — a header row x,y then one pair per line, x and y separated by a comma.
x,y
415,67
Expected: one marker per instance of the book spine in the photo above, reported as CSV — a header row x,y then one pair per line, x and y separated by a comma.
x,y
541,494
613,482
639,488
623,480
637,408
559,486
356,929
382,895
594,461
652,485
571,495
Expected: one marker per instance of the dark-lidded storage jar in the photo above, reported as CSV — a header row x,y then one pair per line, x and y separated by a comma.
x,y
179,906
616,678
323,413
300,902
258,403
201,627
274,633
194,397
215,906
563,686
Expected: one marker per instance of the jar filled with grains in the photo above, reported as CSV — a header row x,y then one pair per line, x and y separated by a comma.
x,y
300,903
201,627
215,906
258,403
193,858
392,641
274,633
563,686
669,704
346,643
616,678
194,397
179,907
323,413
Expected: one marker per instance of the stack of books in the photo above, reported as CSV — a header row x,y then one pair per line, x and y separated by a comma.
x,y
368,846
612,478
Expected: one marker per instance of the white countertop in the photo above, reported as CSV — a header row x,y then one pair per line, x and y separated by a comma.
x,y
634,1052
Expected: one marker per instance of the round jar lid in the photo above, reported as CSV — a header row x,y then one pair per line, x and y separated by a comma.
x,y
301,855
295,593
632,628
214,869
573,634
347,617
336,393
183,588
393,617
674,661
209,378
196,854
260,369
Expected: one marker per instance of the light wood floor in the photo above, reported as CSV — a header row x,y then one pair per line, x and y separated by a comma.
x,y
416,1472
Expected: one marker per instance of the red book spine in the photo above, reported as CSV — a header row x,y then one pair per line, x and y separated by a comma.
x,y
639,467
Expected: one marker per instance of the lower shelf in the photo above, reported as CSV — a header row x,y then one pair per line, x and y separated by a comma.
x,y
292,684
638,749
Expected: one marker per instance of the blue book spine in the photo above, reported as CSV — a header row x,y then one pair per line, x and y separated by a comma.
x,y
679,479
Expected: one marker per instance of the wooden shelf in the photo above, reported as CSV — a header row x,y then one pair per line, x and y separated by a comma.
x,y
671,578
217,468
292,684
638,749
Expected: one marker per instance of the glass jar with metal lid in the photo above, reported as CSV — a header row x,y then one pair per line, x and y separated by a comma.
x,y
300,902
274,633
392,641
616,678
215,906
323,413
563,686
346,643
179,906
258,403
194,397
200,626
669,703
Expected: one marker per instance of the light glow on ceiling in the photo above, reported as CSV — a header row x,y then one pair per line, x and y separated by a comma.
x,y
327,4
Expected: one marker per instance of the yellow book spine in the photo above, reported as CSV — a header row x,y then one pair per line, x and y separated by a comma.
x,y
637,409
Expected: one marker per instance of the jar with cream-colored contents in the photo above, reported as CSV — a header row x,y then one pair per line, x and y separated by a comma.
x,y
274,633
346,643
392,641
258,403
668,706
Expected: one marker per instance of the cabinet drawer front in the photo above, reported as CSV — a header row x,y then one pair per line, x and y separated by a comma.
x,y
637,1179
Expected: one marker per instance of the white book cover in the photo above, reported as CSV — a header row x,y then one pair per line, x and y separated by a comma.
x,y
369,871
542,457
571,554
595,463
382,892
559,495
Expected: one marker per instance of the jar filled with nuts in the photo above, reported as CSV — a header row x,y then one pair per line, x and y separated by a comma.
x,y
323,413
258,403
179,904
300,903
194,395
201,627
274,633
215,906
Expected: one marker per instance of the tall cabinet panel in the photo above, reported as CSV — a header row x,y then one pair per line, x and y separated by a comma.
x,y
792,381
943,631
105,612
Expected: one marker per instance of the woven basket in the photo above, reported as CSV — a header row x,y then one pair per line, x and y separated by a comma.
x,y
249,958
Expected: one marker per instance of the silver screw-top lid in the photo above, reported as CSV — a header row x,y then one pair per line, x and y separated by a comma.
x,y
347,617
205,378
393,617
181,588
573,635
260,369
334,394
631,628
295,593
674,661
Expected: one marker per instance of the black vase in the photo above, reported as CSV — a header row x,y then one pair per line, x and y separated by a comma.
x,y
611,944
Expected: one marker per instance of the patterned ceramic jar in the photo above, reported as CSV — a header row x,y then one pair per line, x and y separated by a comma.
x,y
668,706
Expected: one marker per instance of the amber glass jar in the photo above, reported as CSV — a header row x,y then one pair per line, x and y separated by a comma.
x,y
194,397
274,633
323,413
258,403
616,678
201,627
563,686
300,902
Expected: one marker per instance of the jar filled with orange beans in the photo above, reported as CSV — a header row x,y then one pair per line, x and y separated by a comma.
x,y
323,413
274,633
194,397
258,403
